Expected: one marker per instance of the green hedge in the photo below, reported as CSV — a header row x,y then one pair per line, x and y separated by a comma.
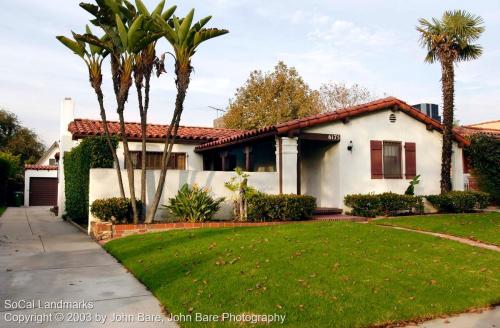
x,y
116,209
459,201
264,207
9,169
92,152
371,205
484,154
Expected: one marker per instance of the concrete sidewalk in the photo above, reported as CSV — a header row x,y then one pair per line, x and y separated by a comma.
x,y
487,319
44,259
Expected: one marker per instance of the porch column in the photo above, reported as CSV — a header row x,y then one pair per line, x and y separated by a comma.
x,y
248,159
286,163
223,157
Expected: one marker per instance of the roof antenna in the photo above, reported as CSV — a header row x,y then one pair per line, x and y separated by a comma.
x,y
217,110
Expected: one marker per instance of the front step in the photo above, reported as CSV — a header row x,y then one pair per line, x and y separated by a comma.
x,y
327,211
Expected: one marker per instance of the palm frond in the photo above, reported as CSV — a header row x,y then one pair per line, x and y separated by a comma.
x,y
455,31
470,52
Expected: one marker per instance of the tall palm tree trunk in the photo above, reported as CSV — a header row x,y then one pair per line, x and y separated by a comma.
x,y
128,164
104,120
182,82
448,89
143,115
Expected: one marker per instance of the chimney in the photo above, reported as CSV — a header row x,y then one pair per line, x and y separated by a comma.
x,y
66,116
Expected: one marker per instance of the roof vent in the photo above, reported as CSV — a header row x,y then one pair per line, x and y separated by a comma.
x,y
392,118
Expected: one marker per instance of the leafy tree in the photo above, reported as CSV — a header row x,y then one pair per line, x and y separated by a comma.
x,y
184,37
484,154
19,140
450,40
9,124
338,95
271,98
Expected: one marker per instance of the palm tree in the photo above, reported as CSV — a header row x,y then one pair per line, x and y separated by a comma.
x,y
450,40
145,62
128,34
185,38
93,57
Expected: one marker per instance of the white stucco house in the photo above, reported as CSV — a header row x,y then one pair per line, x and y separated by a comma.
x,y
40,179
374,147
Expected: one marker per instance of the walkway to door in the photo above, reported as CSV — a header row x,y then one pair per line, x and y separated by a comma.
x,y
43,258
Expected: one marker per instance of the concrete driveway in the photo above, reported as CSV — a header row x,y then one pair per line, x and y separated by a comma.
x,y
53,275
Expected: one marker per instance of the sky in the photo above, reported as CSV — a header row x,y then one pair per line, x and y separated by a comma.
x,y
370,42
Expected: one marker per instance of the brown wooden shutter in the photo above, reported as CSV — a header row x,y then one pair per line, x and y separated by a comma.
x,y
376,159
466,162
410,160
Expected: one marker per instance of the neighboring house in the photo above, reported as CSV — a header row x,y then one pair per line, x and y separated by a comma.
x,y
374,147
40,179
431,110
490,128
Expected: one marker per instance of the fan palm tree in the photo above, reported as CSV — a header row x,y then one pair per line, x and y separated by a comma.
x,y
450,40
184,37
93,57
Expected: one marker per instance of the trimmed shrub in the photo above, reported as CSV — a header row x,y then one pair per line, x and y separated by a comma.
x,y
92,152
459,201
116,209
388,203
367,205
194,204
264,207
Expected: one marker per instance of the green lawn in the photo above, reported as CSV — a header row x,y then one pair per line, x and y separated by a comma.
x,y
325,274
2,209
483,227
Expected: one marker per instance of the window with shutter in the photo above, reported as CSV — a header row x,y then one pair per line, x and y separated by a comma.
x,y
392,160
410,160
153,160
376,159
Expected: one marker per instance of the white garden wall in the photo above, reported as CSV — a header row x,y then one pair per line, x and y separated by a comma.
x,y
103,184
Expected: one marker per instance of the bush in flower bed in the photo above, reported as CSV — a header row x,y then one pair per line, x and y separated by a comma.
x,y
388,203
264,207
194,204
115,210
459,201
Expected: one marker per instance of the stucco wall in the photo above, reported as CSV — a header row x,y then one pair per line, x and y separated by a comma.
x,y
347,172
35,174
103,184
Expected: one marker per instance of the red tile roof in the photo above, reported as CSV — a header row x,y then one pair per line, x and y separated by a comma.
x,y
467,131
478,125
81,128
39,167
310,121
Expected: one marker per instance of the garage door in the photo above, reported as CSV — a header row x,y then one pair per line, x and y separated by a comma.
x,y
43,191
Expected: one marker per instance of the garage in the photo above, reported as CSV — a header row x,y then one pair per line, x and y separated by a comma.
x,y
40,185
43,192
